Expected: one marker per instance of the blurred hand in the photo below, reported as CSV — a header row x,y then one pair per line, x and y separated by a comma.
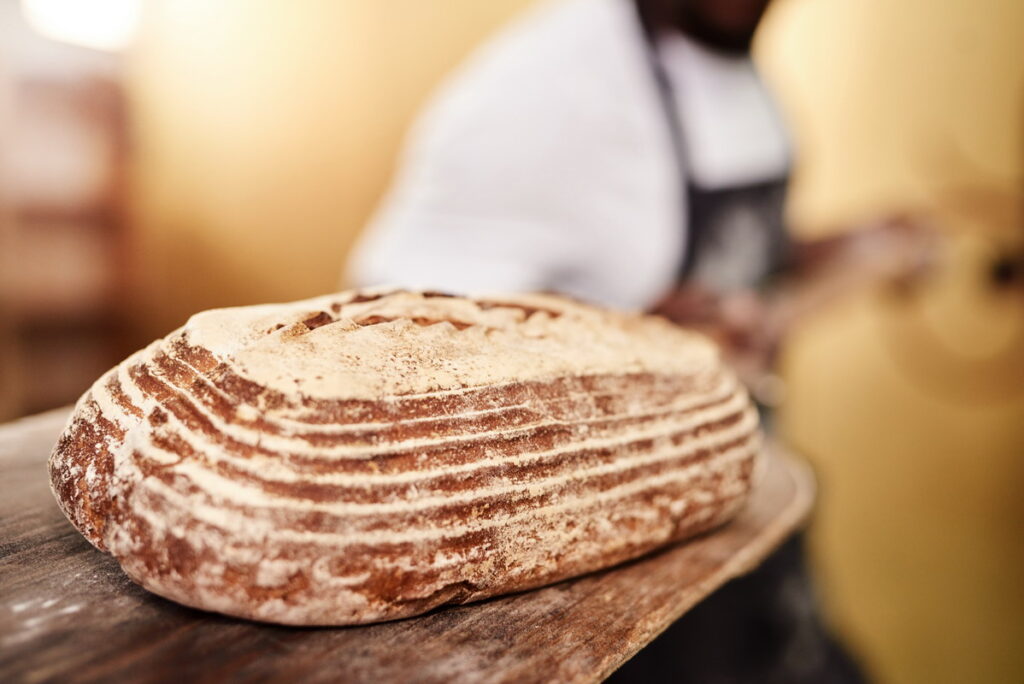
x,y
898,250
749,327
688,305
736,321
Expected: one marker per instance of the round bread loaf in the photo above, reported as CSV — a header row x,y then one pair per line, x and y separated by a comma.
x,y
371,455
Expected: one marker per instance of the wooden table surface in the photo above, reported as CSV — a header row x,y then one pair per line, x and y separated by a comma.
x,y
68,613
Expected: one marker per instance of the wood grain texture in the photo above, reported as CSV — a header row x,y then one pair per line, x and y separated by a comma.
x,y
68,613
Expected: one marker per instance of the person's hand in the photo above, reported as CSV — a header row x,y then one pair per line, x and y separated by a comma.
x,y
738,322
898,250
689,305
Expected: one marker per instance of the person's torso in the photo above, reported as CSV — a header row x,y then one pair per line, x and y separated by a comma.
x,y
734,159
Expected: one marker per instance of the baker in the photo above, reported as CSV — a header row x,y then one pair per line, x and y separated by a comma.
x,y
625,152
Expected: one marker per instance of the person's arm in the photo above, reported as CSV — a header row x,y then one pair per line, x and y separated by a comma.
x,y
895,251
750,326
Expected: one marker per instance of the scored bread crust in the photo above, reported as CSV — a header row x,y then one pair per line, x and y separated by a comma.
x,y
371,455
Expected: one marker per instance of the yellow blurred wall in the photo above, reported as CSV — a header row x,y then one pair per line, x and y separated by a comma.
x,y
913,412
266,131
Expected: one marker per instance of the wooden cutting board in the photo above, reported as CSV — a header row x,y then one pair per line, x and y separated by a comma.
x,y
68,613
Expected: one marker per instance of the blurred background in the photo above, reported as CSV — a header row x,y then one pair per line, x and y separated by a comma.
x,y
158,157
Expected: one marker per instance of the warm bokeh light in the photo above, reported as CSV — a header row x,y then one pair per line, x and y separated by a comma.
x,y
202,154
108,25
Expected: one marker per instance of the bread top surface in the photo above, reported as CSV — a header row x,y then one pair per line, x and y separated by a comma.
x,y
375,344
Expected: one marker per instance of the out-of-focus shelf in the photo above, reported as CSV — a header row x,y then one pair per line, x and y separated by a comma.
x,y
63,234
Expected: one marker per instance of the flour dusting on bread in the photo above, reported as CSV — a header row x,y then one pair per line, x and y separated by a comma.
x,y
371,455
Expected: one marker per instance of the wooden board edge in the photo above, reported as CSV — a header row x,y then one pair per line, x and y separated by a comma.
x,y
792,517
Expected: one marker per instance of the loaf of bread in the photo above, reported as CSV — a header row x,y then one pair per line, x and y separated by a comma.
x,y
372,455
